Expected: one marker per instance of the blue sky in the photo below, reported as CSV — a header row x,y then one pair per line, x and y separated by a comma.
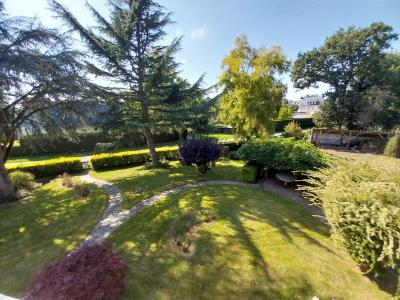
x,y
209,27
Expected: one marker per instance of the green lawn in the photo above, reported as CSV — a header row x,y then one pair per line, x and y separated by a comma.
x,y
261,246
151,182
42,228
222,136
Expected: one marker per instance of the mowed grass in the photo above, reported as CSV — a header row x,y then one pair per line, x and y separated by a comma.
x,y
42,228
138,184
261,246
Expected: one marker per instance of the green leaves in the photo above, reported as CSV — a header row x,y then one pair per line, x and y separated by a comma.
x,y
348,62
252,92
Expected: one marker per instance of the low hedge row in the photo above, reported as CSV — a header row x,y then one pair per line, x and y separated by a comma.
x,y
283,154
51,167
303,123
128,158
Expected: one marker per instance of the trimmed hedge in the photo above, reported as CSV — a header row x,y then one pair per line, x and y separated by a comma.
x,y
80,142
51,167
303,123
128,158
250,172
233,146
283,154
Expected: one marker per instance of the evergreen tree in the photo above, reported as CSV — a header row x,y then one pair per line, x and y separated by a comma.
x,y
38,73
147,93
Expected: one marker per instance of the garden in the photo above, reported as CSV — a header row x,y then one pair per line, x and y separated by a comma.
x,y
120,179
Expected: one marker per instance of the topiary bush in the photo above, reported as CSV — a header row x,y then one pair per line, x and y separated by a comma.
x,y
250,172
392,148
283,154
49,167
92,272
293,129
362,204
201,152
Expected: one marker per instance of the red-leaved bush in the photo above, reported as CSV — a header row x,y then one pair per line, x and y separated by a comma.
x,y
92,272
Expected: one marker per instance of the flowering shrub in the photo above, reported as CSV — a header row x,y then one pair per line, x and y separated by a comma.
x,y
201,152
92,272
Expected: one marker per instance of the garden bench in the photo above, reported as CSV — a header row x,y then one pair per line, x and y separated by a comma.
x,y
285,177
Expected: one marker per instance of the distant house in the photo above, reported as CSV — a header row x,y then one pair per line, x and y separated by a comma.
x,y
308,105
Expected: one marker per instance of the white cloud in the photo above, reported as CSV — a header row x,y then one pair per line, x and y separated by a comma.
x,y
198,33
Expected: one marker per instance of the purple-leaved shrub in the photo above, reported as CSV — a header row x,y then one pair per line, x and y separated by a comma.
x,y
92,272
201,152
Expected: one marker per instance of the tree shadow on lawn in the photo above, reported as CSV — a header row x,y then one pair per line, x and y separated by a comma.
x,y
42,228
138,183
215,270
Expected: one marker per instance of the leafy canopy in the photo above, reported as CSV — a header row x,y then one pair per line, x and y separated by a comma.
x,y
252,92
348,62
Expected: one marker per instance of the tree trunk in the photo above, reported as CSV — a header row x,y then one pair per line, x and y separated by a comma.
x,y
182,135
151,146
7,189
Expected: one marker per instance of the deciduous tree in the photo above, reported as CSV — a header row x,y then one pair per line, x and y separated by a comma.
x,y
348,62
252,91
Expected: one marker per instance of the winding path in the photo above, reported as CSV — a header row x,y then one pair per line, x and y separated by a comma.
x,y
113,216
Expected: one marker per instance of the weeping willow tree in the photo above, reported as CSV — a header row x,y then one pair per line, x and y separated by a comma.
x,y
38,75
145,91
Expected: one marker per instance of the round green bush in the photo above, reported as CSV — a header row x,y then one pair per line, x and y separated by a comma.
x,y
283,154
22,180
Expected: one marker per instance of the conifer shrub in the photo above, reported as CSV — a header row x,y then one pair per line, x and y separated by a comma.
x,y
202,152
361,202
392,148
283,154
92,272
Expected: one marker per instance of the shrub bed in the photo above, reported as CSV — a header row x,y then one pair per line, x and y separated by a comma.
x,y
92,272
282,154
128,158
361,201
49,167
